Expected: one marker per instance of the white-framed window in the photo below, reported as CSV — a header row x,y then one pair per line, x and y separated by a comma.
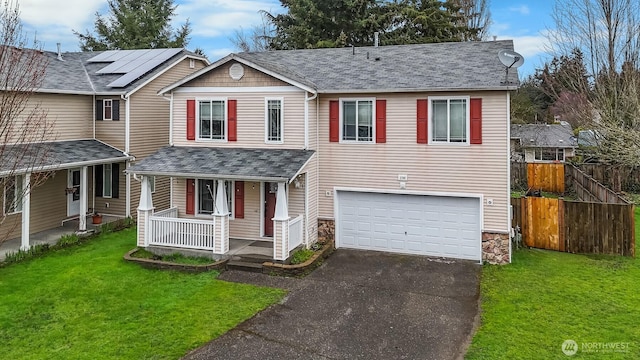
x,y
449,120
212,119
274,120
13,193
107,109
206,196
107,176
357,120
152,183
549,154
192,63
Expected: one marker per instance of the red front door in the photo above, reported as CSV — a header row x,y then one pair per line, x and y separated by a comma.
x,y
270,190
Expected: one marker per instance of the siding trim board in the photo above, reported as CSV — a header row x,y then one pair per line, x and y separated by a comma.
x,y
238,89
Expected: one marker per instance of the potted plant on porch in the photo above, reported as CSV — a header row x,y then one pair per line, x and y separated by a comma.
x,y
96,218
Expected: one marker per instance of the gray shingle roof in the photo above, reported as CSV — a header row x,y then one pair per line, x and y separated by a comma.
x,y
76,75
544,135
439,66
59,155
225,163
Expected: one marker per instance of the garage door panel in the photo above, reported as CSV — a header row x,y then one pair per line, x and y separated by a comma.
x,y
415,224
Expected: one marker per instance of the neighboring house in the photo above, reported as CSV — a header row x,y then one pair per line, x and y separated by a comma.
x,y
396,148
106,114
542,142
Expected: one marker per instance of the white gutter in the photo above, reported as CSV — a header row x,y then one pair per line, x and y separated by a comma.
x,y
65,166
127,149
306,117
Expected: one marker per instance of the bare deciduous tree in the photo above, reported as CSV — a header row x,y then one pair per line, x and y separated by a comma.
x,y
24,126
607,32
257,38
476,16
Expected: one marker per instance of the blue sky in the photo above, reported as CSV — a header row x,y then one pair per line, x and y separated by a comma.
x,y
215,21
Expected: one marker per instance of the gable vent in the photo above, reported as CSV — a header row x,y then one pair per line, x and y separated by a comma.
x,y
236,71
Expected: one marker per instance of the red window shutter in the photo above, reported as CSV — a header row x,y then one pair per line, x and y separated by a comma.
x,y
476,121
232,117
191,119
334,121
381,121
239,201
423,121
191,197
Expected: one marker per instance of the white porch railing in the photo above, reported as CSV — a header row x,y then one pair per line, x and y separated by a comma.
x,y
169,230
295,232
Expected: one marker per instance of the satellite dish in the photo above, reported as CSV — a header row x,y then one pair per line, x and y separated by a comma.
x,y
510,58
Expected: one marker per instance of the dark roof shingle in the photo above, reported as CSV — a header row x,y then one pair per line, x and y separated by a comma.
x,y
225,163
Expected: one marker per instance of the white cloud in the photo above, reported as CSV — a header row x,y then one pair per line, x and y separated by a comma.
x,y
213,18
522,9
70,14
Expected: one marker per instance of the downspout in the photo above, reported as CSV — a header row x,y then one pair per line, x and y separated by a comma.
x,y
315,226
93,168
306,177
94,116
171,120
509,208
127,149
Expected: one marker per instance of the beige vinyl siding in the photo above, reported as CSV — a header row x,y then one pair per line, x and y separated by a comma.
x,y
116,206
48,207
68,117
220,77
476,169
112,132
311,186
149,128
296,199
250,119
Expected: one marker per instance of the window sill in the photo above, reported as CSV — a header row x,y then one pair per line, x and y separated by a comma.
x,y
211,140
274,142
356,142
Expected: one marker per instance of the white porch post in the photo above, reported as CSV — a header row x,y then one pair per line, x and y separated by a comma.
x,y
26,210
82,218
281,225
145,210
221,220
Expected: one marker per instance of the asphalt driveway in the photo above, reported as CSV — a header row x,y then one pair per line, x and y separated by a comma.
x,y
360,305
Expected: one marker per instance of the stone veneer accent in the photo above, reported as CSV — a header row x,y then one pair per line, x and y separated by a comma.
x,y
326,231
495,248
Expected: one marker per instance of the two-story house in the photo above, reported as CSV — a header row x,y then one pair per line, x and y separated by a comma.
x,y
396,148
105,114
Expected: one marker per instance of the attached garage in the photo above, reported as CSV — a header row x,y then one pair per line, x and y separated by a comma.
x,y
409,224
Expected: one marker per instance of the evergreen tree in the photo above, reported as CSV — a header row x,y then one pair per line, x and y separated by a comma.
x,y
136,24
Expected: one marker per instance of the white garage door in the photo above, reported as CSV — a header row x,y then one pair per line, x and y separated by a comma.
x,y
410,224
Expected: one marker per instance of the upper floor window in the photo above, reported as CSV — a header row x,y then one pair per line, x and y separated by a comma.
x,y
13,194
207,196
449,120
107,109
212,120
107,176
274,120
357,120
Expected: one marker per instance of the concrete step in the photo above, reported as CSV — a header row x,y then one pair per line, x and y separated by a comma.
x,y
244,266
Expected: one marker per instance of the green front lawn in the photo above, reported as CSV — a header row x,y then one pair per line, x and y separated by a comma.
x,y
530,307
87,302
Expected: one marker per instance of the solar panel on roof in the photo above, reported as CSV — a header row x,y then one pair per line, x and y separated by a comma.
x,y
133,64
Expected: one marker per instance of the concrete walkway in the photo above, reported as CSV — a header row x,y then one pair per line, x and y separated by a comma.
x,y
360,305
50,236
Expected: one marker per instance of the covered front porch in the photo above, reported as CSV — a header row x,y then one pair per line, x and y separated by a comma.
x,y
51,186
215,206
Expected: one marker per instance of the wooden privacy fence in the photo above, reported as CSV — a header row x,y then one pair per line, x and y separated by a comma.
x,y
546,177
574,226
589,189
617,178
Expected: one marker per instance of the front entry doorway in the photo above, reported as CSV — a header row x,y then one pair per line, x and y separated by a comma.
x,y
270,191
73,192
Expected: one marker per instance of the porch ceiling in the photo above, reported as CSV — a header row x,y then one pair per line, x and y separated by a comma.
x,y
58,155
224,163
